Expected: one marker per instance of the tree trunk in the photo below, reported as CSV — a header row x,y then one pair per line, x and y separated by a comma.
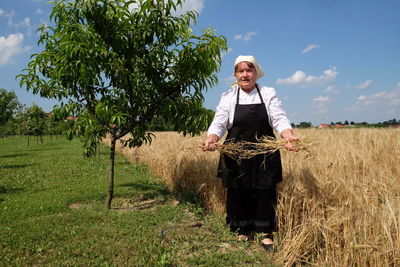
x,y
28,140
98,152
111,173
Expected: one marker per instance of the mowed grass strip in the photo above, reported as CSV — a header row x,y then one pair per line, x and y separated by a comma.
x,y
52,212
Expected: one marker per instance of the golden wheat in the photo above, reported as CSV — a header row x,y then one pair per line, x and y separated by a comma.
x,y
245,150
339,208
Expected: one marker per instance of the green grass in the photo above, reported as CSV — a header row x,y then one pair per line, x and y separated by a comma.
x,y
52,213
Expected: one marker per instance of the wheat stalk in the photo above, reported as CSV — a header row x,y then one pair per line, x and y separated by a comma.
x,y
266,145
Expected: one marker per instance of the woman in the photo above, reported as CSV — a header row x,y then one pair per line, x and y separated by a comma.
x,y
248,111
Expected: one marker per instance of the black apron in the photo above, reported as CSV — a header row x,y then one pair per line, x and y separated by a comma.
x,y
261,171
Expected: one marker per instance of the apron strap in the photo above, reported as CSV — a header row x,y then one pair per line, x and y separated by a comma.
x,y
258,90
237,95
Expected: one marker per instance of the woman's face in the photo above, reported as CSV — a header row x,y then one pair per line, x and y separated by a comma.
x,y
246,75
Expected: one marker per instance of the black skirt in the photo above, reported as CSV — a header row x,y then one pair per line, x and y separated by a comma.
x,y
251,210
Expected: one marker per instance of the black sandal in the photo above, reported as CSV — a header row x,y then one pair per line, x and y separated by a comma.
x,y
267,247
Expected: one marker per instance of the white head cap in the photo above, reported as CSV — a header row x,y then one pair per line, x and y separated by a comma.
x,y
253,60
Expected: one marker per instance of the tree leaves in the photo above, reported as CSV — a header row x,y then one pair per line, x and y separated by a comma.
x,y
8,105
119,67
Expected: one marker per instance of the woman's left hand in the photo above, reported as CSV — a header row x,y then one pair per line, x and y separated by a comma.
x,y
290,138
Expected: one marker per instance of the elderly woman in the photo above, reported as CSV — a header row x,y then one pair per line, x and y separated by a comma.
x,y
248,111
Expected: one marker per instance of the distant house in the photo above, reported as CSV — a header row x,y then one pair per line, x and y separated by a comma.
x,y
323,126
339,126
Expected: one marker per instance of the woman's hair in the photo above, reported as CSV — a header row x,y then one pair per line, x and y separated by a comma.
x,y
249,64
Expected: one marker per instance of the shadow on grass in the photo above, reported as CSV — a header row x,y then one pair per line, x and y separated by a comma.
x,y
5,190
13,155
122,163
150,189
42,149
16,166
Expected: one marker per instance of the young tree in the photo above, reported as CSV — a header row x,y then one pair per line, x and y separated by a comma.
x,y
35,123
121,63
9,104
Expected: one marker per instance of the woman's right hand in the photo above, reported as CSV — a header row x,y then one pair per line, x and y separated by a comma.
x,y
209,144
290,139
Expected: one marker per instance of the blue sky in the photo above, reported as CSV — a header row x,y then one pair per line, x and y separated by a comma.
x,y
329,60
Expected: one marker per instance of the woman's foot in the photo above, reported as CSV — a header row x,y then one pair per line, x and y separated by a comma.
x,y
267,242
243,238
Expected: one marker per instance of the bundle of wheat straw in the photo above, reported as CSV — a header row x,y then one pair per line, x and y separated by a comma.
x,y
245,150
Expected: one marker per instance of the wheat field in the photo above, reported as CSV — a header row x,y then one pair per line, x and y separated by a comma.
x,y
340,207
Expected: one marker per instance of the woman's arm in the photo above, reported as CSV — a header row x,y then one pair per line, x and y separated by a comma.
x,y
279,120
276,113
219,124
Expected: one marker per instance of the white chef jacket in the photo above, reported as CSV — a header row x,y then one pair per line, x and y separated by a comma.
x,y
225,111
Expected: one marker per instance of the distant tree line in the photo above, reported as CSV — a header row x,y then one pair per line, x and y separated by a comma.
x,y
17,119
387,123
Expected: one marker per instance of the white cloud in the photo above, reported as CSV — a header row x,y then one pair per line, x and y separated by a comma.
x,y
331,89
24,24
364,85
300,78
309,48
9,15
10,46
230,49
39,11
245,37
188,5
321,104
380,101
322,99
10,18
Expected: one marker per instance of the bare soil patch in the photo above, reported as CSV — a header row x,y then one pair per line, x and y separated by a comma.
x,y
78,205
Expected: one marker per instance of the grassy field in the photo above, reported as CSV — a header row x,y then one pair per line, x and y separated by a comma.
x,y
52,213
340,207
